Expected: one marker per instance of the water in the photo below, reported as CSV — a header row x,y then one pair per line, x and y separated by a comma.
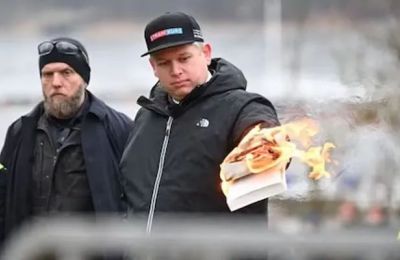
x,y
118,70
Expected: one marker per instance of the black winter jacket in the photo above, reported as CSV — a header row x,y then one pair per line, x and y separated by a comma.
x,y
172,159
104,134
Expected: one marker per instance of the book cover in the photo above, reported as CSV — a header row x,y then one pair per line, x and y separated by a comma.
x,y
246,188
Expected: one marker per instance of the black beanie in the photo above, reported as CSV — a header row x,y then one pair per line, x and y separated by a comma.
x,y
76,61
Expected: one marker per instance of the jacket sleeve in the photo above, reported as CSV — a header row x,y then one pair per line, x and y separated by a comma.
x,y
118,127
4,162
3,192
257,111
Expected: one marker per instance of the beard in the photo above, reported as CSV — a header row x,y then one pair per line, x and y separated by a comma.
x,y
64,108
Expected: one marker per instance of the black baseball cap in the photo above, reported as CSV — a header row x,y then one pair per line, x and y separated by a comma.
x,y
171,29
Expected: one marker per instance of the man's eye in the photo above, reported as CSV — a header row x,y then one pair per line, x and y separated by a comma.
x,y
184,59
67,72
47,75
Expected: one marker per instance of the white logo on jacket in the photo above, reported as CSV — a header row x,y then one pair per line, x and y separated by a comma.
x,y
203,123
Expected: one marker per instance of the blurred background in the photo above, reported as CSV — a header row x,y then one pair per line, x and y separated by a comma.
x,y
335,61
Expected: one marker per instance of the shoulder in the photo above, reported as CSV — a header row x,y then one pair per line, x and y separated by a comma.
x,y
254,109
116,124
13,136
16,126
259,108
106,113
114,115
243,98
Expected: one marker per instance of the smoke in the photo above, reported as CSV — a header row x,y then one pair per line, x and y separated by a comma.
x,y
367,152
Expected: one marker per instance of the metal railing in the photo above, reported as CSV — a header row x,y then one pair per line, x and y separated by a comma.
x,y
188,237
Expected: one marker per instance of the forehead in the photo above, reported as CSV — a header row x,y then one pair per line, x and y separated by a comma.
x,y
175,51
56,66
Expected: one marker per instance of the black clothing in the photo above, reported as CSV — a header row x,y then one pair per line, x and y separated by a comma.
x,y
103,135
60,182
171,161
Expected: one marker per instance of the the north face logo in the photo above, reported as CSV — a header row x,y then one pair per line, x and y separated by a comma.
x,y
203,123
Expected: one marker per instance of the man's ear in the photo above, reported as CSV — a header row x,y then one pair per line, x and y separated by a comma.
x,y
207,52
153,65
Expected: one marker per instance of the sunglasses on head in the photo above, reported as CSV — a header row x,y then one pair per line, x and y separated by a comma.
x,y
63,47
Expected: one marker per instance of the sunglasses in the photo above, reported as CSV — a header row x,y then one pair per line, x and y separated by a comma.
x,y
63,47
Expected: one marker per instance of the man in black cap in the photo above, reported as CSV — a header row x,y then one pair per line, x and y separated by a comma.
x,y
197,112
63,156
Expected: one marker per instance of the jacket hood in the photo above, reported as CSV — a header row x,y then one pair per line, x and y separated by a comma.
x,y
225,77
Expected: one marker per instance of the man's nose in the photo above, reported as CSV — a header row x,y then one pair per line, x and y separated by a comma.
x,y
176,68
57,80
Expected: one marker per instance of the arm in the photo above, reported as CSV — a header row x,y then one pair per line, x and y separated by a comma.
x,y
3,184
6,161
118,129
252,114
3,188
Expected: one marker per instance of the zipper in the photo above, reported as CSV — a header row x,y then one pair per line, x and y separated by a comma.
x,y
159,174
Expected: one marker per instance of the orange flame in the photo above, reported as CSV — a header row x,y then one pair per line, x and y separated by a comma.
x,y
268,147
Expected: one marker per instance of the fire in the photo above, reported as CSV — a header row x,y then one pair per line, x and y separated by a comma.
x,y
265,148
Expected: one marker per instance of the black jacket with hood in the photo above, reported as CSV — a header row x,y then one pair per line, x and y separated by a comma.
x,y
104,133
172,159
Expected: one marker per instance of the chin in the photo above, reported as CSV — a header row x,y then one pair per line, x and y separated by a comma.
x,y
181,96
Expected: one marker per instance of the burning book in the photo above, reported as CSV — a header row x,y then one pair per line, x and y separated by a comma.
x,y
255,169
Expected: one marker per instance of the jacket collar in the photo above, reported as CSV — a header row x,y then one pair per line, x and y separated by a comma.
x,y
97,107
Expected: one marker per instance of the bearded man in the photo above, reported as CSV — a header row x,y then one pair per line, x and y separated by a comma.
x,y
63,156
